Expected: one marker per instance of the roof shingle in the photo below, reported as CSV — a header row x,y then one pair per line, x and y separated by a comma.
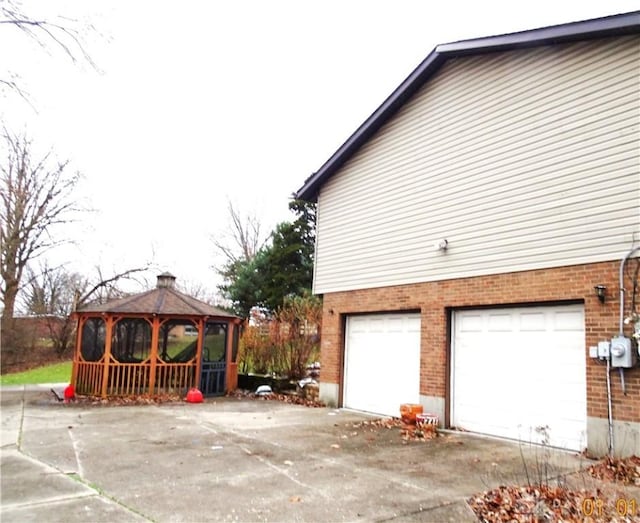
x,y
161,301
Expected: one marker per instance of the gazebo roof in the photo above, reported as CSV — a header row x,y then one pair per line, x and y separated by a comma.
x,y
164,299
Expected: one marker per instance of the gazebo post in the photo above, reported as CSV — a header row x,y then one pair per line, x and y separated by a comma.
x,y
76,352
155,334
231,382
107,354
199,345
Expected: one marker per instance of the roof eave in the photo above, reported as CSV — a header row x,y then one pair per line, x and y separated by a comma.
x,y
617,25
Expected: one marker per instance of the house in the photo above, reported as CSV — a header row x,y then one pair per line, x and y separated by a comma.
x,y
464,227
39,326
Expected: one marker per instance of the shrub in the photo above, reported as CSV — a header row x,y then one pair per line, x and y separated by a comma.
x,y
285,343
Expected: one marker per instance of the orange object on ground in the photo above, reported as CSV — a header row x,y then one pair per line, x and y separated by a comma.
x,y
194,396
409,411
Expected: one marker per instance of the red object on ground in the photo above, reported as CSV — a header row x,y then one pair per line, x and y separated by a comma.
x,y
408,412
69,393
194,396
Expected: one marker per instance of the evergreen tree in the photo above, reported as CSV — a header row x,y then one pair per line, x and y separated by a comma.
x,y
283,267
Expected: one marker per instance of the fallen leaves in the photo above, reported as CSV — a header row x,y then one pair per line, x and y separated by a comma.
x,y
140,399
372,424
561,503
408,432
146,399
422,433
285,398
621,470
530,503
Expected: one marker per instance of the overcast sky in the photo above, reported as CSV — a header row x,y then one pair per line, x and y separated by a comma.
x,y
193,104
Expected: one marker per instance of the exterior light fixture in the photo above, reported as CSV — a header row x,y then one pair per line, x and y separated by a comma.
x,y
601,292
441,245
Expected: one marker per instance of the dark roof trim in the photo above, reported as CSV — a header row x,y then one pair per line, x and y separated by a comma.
x,y
616,25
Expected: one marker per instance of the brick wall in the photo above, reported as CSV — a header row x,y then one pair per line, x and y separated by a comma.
x,y
434,299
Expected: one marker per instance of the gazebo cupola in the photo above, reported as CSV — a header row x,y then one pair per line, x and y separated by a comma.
x,y
166,279
161,341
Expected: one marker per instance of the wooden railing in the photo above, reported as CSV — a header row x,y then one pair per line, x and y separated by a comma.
x,y
174,378
89,377
132,379
128,379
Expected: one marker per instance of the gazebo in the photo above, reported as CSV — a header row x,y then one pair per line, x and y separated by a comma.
x,y
157,342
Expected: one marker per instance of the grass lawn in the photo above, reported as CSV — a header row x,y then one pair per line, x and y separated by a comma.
x,y
213,346
57,373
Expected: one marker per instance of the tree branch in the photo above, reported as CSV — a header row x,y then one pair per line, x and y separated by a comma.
x,y
104,282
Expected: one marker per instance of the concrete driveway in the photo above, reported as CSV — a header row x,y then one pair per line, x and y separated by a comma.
x,y
237,460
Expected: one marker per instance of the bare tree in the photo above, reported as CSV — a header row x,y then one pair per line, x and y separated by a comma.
x,y
199,291
53,294
104,288
242,240
63,33
50,295
239,247
35,196
51,291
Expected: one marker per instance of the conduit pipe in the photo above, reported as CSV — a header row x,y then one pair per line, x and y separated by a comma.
x,y
609,406
621,283
620,333
621,324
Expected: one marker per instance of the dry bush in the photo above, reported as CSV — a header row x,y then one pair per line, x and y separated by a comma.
x,y
286,343
255,352
22,347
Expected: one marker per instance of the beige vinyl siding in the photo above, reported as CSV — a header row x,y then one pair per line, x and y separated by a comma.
x,y
521,160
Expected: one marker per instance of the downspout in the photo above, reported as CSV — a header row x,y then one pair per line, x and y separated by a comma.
x,y
621,283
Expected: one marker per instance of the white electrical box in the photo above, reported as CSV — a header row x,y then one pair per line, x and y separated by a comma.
x,y
593,352
622,354
603,349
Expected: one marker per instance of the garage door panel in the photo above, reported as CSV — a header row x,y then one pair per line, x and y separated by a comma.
x,y
517,369
413,324
471,323
376,325
395,326
569,321
382,362
532,322
500,322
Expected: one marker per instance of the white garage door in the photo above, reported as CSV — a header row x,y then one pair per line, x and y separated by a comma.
x,y
514,370
382,362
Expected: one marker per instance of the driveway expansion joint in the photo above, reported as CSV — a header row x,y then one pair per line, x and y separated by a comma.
x,y
46,501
